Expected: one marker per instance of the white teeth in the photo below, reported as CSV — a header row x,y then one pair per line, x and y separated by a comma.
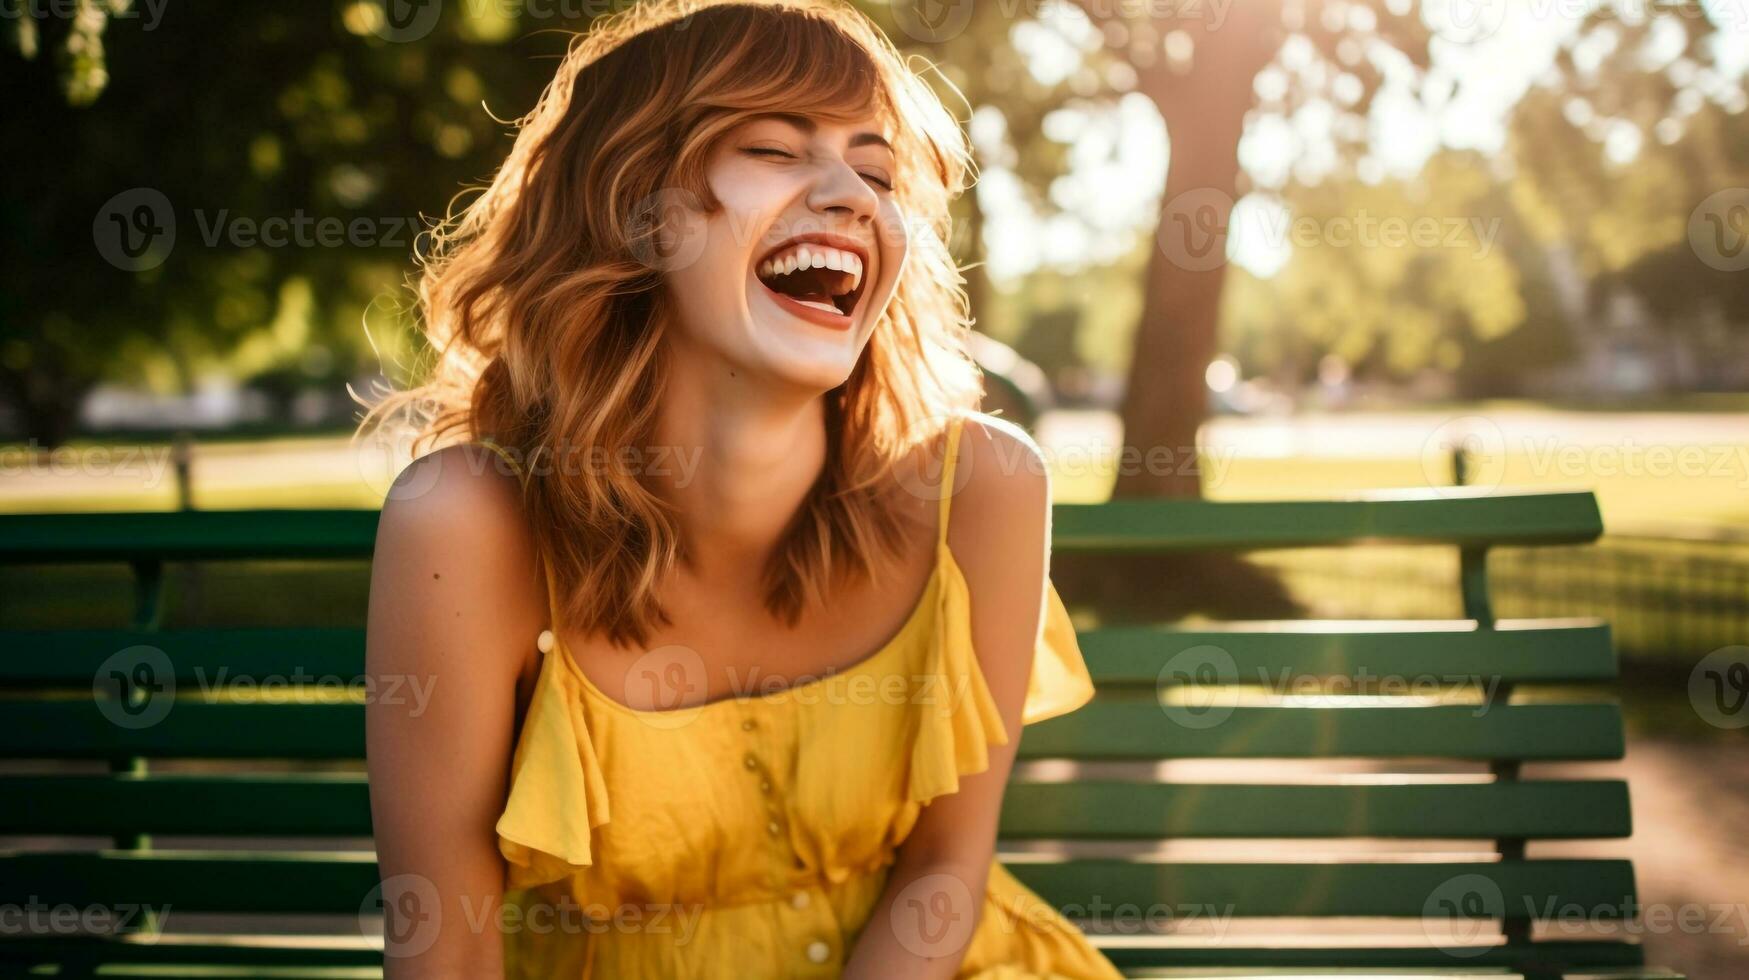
x,y
814,256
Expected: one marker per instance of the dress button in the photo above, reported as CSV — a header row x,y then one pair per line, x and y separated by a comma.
x,y
773,828
819,951
751,762
765,784
799,900
747,725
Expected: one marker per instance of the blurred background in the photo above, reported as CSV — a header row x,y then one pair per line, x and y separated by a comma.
x,y
1301,248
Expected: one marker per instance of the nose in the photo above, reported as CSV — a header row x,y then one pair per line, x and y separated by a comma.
x,y
841,191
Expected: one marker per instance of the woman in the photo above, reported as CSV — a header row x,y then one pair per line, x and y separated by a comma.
x,y
718,689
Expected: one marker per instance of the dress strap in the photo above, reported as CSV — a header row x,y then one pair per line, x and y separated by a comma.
x,y
547,639
509,459
947,471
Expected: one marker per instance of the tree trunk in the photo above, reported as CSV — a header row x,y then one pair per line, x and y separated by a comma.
x,y
46,406
1204,106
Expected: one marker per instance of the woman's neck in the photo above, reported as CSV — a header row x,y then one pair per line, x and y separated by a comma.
x,y
736,468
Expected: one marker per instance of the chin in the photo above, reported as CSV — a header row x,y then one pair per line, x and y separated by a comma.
x,y
799,353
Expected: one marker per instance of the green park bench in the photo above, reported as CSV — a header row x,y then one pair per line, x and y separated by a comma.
x,y
103,808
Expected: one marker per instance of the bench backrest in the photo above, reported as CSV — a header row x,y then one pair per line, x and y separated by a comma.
x,y
1429,824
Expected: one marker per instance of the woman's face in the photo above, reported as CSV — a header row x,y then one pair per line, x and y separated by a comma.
x,y
789,279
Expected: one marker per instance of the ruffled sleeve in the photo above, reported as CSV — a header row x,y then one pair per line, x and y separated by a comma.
x,y
558,794
958,724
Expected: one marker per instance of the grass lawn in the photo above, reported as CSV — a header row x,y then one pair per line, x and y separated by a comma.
x,y
1648,482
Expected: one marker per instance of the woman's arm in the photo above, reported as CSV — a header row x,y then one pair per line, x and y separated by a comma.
x,y
999,530
453,614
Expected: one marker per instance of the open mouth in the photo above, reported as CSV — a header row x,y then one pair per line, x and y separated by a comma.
x,y
815,274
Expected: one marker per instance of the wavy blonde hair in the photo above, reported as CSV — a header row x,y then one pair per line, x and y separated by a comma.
x,y
544,326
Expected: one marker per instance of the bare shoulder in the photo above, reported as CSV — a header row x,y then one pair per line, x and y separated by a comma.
x,y
453,545
1001,477
999,515
466,490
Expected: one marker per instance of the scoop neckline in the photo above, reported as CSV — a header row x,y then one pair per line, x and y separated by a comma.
x,y
931,586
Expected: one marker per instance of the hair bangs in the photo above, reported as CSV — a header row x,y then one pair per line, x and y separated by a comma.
x,y
770,59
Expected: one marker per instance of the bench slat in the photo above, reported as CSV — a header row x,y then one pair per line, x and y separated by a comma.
x,y
200,657
1419,653
1138,730
1131,956
187,535
279,882
244,805
338,805
75,729
1449,515
268,951
1516,650
1445,516
1229,959
1398,889
1105,810
340,882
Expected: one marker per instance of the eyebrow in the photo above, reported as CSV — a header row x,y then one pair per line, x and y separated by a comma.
x,y
808,126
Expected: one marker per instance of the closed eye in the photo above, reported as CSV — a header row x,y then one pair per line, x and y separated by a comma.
x,y
772,151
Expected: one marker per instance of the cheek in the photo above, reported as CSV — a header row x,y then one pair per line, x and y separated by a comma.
x,y
752,198
704,282
893,236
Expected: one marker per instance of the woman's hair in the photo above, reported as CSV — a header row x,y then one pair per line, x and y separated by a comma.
x,y
545,327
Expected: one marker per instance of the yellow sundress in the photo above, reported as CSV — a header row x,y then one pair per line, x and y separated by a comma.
x,y
751,837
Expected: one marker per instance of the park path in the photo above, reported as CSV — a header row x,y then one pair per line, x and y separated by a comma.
x,y
1691,857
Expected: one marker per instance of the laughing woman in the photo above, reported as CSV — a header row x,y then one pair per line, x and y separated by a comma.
x,y
719,689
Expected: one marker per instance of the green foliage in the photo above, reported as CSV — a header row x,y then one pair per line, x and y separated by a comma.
x,y
298,155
